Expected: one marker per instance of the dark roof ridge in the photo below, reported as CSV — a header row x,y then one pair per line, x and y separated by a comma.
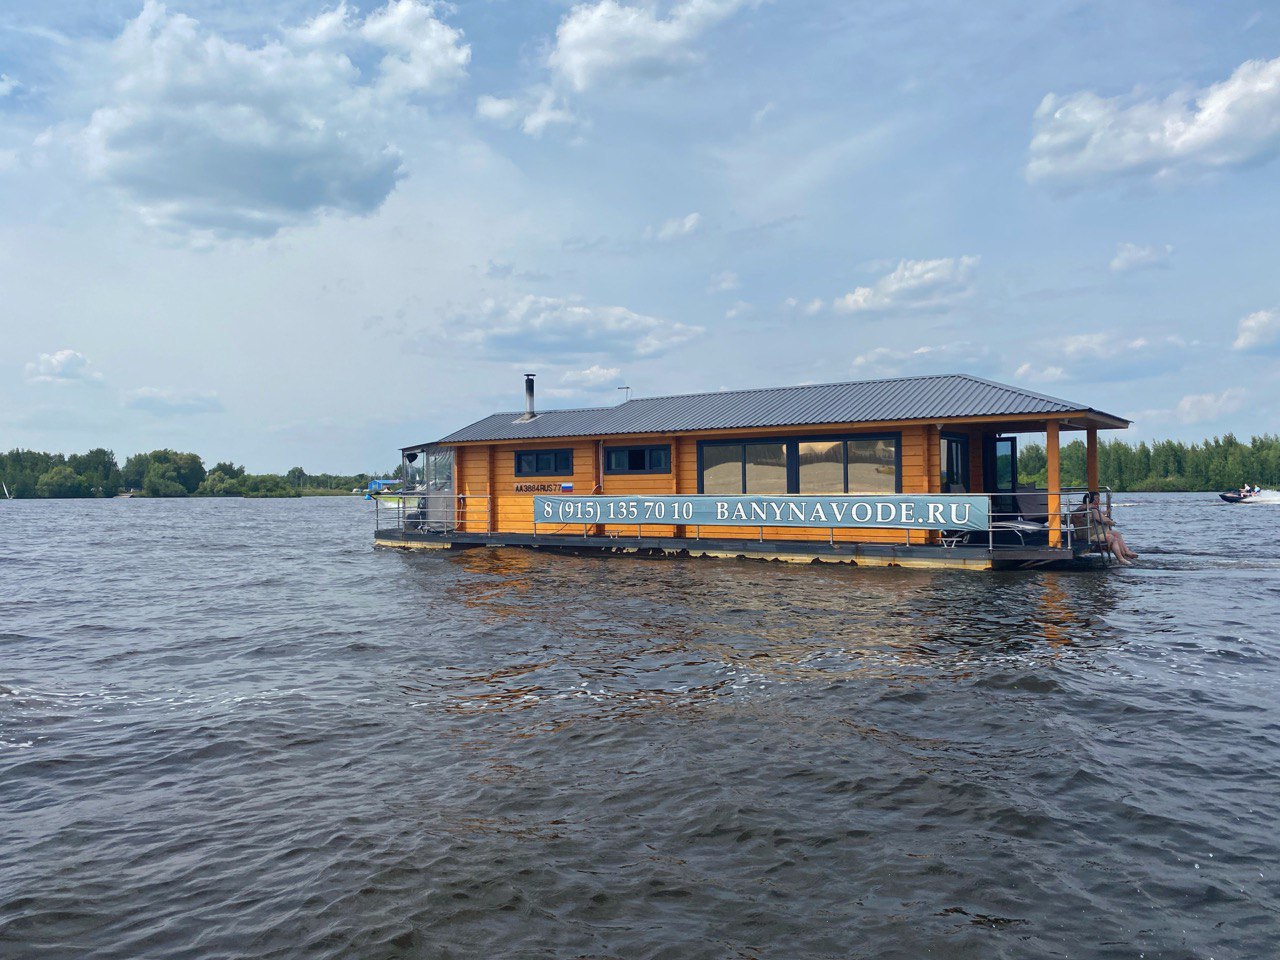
x,y
538,413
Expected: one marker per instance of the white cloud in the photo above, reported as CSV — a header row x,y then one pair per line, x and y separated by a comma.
x,y
759,116
674,228
724,282
548,110
1199,407
810,309
1084,138
740,308
914,285
526,325
63,366
8,84
1132,256
1259,329
203,134
958,357
538,109
423,54
607,40
166,402
1027,372
594,376
1104,356
497,109
1108,346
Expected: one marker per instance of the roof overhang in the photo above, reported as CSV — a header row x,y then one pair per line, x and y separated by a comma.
x,y
1009,423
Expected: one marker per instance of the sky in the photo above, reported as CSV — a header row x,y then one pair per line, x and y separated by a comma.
x,y
296,233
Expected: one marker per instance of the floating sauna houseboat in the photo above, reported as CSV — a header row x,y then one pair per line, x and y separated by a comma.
x,y
911,471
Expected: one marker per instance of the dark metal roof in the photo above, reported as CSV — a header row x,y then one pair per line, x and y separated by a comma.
x,y
866,401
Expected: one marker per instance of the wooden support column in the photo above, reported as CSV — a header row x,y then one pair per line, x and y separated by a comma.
x,y
1054,483
1091,458
976,480
491,505
932,459
597,481
679,530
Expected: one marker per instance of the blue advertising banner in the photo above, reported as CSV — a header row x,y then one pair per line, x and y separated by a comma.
x,y
937,511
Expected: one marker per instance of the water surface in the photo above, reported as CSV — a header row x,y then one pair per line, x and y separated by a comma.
x,y
232,729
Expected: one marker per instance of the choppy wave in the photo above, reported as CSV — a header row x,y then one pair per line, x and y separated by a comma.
x,y
231,729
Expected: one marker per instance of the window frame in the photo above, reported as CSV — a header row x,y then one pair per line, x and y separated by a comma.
x,y
553,472
647,447
791,443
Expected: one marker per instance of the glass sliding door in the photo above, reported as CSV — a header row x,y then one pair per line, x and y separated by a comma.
x,y
954,461
1000,473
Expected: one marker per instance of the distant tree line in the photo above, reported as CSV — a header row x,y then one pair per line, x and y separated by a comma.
x,y
1220,463
32,474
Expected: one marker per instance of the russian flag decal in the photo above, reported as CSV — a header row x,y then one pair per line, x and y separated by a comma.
x,y
566,488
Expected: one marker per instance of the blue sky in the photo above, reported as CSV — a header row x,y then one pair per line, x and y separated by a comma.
x,y
304,234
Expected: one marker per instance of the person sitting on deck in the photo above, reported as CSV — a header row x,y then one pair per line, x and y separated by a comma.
x,y
1101,529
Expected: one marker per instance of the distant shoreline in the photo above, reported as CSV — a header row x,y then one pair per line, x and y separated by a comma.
x,y
36,475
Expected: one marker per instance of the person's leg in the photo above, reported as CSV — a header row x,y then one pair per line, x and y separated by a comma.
x,y
1124,547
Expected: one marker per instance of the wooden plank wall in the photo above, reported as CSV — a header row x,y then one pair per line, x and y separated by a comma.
x,y
513,512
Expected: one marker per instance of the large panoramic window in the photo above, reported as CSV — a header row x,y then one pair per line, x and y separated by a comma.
x,y
809,466
722,468
821,466
544,463
766,467
648,459
873,465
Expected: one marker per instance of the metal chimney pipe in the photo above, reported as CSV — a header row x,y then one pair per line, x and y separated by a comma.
x,y
528,396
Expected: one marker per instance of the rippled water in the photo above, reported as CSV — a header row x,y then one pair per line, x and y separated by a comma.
x,y
233,729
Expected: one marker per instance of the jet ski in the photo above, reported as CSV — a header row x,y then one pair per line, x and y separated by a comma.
x,y
1235,496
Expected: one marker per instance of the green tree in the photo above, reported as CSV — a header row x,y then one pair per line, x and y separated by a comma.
x,y
162,481
268,485
219,484
191,472
134,471
228,469
98,468
62,481
188,469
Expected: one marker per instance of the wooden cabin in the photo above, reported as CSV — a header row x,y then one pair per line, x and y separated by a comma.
x,y
927,440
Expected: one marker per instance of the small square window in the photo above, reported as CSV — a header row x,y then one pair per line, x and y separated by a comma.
x,y
544,463
646,459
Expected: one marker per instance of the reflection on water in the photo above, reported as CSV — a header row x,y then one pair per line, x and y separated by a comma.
x,y
263,739
636,634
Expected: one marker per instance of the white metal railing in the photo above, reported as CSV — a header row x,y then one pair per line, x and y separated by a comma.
x,y
1030,523
420,511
